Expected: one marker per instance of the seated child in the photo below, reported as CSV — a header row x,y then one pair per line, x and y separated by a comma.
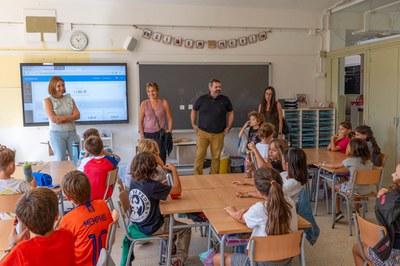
x,y
276,215
97,167
364,132
149,145
295,163
248,133
38,210
144,190
8,184
339,141
275,157
265,133
387,211
88,222
360,159
88,133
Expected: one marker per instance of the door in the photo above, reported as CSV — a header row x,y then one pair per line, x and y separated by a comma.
x,y
383,101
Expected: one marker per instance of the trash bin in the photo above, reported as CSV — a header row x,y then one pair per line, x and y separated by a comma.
x,y
223,165
237,164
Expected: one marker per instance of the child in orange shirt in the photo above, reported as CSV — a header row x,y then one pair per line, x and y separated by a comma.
x,y
88,222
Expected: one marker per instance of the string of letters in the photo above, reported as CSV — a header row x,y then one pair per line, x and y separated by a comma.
x,y
200,44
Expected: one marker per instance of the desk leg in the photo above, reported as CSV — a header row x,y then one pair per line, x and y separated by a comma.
x,y
61,202
316,192
222,250
209,237
326,192
170,237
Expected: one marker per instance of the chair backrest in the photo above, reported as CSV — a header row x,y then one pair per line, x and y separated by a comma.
x,y
382,159
5,229
269,248
367,233
120,184
123,208
112,227
112,177
9,202
370,233
368,177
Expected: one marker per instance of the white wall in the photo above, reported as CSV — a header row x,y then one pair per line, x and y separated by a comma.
x,y
293,53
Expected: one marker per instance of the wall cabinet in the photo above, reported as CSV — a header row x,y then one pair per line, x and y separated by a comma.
x,y
311,128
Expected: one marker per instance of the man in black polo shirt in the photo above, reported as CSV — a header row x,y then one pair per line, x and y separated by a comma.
x,y
212,126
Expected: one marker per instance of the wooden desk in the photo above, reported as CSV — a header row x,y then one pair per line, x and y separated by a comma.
x,y
222,180
317,155
190,182
57,170
230,199
19,171
5,230
222,224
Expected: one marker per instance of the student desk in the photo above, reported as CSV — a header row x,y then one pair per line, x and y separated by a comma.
x,y
317,155
314,156
191,182
222,224
214,191
57,170
19,171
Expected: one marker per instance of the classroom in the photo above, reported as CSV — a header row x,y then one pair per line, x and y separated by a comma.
x,y
334,55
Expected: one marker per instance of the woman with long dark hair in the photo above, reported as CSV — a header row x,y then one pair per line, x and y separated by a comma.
x,y
271,109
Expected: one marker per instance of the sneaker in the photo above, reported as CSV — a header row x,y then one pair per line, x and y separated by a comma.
x,y
177,262
338,216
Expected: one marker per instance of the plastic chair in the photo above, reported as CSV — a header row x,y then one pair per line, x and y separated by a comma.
x,y
367,233
270,248
124,211
105,253
112,178
361,177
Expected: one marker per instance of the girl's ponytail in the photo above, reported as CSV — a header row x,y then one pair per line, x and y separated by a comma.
x,y
269,183
278,210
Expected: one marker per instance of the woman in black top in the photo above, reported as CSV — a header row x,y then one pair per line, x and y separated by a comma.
x,y
271,109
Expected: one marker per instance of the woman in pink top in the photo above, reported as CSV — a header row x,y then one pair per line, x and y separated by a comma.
x,y
339,141
152,116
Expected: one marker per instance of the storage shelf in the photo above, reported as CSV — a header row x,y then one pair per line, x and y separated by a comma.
x,y
311,128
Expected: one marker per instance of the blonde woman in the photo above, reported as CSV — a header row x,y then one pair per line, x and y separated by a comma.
x,y
154,113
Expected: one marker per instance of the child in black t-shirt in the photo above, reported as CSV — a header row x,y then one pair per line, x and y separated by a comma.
x,y
248,133
144,197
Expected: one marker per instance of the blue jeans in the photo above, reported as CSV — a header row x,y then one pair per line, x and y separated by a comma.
x,y
61,142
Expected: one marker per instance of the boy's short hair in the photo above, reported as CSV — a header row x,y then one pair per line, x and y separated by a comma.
x,y
90,132
94,145
148,145
7,156
76,186
143,166
258,116
266,130
38,209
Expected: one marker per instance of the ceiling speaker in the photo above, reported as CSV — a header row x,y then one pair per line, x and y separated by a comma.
x,y
130,43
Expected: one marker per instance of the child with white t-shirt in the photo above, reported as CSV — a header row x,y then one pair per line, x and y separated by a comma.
x,y
8,184
276,215
294,161
265,133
